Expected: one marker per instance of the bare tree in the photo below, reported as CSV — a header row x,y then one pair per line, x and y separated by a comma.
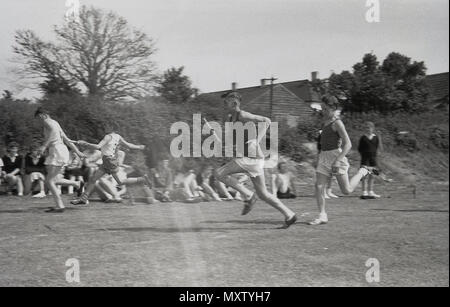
x,y
101,54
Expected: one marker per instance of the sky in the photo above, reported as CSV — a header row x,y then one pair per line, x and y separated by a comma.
x,y
224,41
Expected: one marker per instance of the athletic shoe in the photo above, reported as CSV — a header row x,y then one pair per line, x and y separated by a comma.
x,y
79,202
291,221
323,219
372,194
249,205
379,173
40,195
332,195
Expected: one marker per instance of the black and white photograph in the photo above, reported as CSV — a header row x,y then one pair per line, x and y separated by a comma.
x,y
224,149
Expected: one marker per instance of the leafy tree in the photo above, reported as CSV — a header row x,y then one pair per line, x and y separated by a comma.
x,y
396,84
175,87
100,54
405,81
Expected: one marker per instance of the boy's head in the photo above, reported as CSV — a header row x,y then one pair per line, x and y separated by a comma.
x,y
232,101
369,127
110,127
330,107
41,114
13,148
282,167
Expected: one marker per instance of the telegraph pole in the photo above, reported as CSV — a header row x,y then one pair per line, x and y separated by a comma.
x,y
272,80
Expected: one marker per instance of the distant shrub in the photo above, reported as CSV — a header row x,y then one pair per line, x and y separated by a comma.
x,y
439,137
292,145
408,141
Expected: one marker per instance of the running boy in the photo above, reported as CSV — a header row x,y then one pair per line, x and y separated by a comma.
x,y
57,158
251,163
332,157
111,164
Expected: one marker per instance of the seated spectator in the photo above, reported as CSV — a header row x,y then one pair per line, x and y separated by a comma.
x,y
205,180
282,183
75,170
242,178
35,171
186,186
188,181
163,181
12,167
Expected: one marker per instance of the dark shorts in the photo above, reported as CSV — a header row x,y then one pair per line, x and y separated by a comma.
x,y
76,172
369,159
287,195
110,165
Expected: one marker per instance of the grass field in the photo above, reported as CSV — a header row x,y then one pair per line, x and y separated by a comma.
x,y
210,244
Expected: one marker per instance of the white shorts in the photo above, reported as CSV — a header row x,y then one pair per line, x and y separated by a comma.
x,y
36,176
254,167
58,155
326,161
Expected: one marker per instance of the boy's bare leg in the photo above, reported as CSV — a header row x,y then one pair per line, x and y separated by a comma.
x,y
223,174
52,174
263,194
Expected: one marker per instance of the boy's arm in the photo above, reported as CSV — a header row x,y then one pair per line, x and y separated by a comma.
x,y
98,146
259,119
44,146
15,172
380,144
292,179
131,146
346,142
71,144
360,145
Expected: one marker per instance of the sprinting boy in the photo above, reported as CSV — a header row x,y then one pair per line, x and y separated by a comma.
x,y
335,144
57,158
109,147
253,165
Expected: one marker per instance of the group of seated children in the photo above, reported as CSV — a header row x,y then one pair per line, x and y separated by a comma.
x,y
181,184
187,185
26,176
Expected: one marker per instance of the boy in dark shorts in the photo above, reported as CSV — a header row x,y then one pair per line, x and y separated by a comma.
x,y
111,165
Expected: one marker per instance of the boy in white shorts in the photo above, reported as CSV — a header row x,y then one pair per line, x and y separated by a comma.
x,y
57,158
335,144
251,163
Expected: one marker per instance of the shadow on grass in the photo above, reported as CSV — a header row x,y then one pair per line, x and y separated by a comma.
x,y
180,230
412,210
258,222
31,210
